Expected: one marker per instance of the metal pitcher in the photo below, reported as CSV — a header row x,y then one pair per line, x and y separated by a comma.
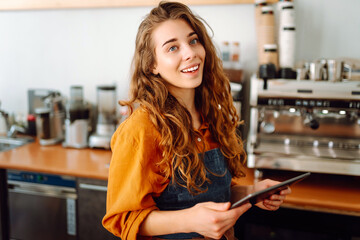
x,y
336,70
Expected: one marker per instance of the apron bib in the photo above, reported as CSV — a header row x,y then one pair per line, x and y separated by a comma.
x,y
176,197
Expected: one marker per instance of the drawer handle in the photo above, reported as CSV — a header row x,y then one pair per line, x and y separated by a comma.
x,y
93,187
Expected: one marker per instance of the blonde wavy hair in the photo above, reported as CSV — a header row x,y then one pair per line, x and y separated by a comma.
x,y
213,100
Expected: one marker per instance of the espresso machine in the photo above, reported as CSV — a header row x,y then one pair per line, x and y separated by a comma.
x,y
304,125
106,117
50,119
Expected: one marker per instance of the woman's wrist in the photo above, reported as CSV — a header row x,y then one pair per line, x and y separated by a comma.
x,y
167,222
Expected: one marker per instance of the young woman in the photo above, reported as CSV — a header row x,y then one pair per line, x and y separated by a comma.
x,y
175,156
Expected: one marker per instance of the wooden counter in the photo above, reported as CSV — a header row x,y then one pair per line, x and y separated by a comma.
x,y
320,197
87,163
328,193
323,192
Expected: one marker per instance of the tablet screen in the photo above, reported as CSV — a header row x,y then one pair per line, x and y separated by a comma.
x,y
259,196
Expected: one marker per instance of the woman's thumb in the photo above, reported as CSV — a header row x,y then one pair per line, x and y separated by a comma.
x,y
218,206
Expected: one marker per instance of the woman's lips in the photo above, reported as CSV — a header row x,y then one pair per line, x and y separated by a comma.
x,y
191,69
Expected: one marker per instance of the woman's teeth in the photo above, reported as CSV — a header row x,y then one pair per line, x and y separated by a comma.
x,y
192,69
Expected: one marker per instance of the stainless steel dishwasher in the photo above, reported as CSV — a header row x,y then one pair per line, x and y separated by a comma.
x,y
42,206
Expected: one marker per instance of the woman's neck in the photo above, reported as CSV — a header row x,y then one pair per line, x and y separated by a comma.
x,y
187,99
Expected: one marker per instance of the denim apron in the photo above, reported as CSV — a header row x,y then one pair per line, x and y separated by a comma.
x,y
176,197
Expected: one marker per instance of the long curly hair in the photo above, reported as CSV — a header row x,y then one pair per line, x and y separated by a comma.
x,y
181,157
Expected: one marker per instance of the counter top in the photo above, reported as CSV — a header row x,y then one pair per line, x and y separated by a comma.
x,y
323,192
55,159
319,192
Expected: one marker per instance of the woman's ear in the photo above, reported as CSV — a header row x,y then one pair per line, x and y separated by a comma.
x,y
155,71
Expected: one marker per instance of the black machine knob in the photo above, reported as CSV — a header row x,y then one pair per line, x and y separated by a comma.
x,y
311,122
314,124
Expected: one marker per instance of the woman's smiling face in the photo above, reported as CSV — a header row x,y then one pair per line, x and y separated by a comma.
x,y
179,56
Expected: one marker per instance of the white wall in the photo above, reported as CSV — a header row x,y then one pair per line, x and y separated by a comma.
x,y
59,48
327,28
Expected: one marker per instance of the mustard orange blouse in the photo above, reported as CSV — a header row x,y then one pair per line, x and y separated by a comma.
x,y
134,178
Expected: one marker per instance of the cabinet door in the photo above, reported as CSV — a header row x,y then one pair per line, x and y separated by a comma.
x,y
91,209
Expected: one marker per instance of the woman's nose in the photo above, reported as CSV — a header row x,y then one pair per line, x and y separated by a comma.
x,y
188,52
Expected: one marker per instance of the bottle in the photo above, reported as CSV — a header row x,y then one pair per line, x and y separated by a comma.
x,y
225,54
31,125
235,56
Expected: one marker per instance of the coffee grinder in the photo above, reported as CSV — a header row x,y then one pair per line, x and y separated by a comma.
x,y
106,117
77,120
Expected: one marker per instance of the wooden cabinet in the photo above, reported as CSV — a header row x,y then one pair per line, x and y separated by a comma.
x,y
91,209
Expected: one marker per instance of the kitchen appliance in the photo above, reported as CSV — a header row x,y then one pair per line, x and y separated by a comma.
x,y
305,126
77,122
106,117
35,100
91,208
50,119
41,206
4,125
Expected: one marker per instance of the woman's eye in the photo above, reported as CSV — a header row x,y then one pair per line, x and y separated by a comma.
x,y
194,41
173,48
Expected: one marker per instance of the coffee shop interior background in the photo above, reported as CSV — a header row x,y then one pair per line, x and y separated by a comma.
x,y
57,48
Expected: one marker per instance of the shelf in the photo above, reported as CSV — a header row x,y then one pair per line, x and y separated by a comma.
x,y
63,4
234,75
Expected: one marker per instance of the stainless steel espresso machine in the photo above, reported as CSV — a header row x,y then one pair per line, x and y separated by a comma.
x,y
50,119
304,125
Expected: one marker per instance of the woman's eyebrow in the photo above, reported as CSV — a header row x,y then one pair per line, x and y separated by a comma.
x,y
169,41
175,39
192,33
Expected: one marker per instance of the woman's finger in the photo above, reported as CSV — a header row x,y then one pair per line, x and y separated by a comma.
x,y
271,207
286,191
277,197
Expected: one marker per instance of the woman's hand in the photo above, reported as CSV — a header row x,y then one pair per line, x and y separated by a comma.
x,y
214,219
274,201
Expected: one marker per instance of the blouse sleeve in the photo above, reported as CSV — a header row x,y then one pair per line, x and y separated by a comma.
x,y
133,177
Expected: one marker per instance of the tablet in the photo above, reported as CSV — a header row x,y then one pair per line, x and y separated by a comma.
x,y
259,196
